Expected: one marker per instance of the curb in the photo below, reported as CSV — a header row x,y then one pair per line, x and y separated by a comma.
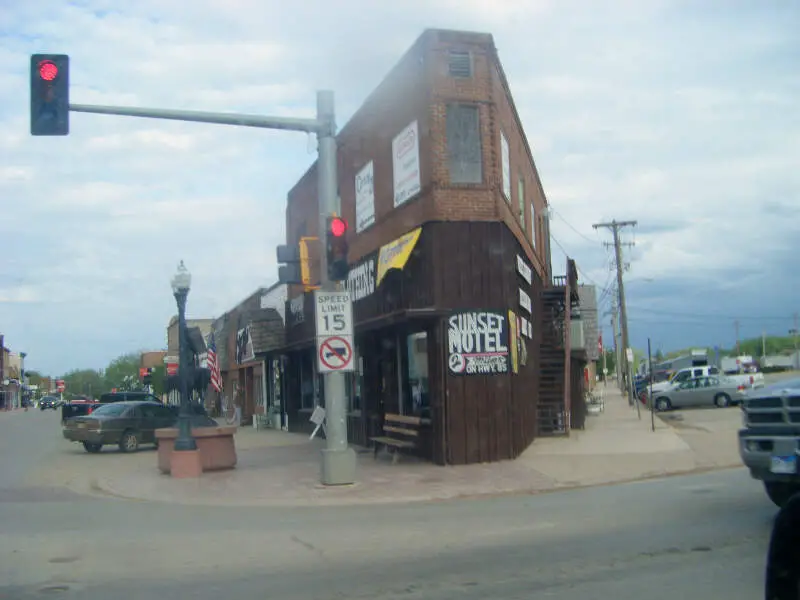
x,y
104,489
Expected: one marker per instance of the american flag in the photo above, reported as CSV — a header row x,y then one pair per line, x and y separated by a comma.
x,y
213,365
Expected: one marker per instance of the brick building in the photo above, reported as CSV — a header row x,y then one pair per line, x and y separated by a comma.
x,y
450,258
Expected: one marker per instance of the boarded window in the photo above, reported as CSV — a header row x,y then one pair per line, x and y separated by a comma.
x,y
460,64
464,144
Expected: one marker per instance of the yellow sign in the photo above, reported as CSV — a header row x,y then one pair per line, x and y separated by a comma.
x,y
395,255
513,340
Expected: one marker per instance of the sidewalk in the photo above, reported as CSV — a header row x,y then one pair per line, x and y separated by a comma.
x,y
278,468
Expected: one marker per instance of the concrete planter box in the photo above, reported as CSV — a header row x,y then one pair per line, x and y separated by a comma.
x,y
215,444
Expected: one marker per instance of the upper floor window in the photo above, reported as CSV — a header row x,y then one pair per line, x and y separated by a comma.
x,y
521,201
536,223
459,64
465,160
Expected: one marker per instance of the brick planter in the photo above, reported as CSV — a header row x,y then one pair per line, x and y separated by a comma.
x,y
215,445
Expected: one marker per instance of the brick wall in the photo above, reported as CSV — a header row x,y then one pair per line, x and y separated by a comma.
x,y
420,87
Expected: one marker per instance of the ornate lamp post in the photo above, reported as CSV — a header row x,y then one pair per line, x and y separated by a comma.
x,y
181,283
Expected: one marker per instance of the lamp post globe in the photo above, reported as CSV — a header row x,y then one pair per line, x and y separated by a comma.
x,y
181,283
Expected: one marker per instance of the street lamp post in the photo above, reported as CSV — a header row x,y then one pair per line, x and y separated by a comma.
x,y
181,283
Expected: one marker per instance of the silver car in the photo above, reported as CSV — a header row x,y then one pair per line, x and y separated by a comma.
x,y
700,391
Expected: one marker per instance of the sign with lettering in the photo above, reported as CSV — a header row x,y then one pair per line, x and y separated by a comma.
x,y
334,320
478,343
361,279
297,309
525,301
365,197
524,270
405,164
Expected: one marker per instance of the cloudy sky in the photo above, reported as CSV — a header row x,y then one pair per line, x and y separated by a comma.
x,y
679,114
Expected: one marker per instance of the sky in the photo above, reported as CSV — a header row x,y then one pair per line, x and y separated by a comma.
x,y
680,115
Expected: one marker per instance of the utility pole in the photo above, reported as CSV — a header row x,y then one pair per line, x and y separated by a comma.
x,y
793,332
338,459
763,344
615,227
736,327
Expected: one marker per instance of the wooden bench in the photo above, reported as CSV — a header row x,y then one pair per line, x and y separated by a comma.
x,y
400,432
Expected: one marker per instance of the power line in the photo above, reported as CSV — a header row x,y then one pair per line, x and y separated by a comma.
x,y
568,224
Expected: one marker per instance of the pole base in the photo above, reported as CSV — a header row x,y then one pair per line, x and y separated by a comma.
x,y
338,467
185,464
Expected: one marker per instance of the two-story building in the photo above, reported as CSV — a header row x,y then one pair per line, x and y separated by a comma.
x,y
450,262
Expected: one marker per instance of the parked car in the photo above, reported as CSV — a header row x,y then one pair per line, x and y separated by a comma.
x,y
700,391
85,406
50,402
127,424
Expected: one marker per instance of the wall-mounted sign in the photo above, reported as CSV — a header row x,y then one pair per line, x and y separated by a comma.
x,y
244,346
405,163
361,279
524,270
526,328
395,255
365,197
478,342
525,301
297,308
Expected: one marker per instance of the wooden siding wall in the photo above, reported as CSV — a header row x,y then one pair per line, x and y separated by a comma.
x,y
456,265
487,417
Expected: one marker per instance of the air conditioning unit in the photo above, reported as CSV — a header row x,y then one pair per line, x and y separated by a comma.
x,y
577,339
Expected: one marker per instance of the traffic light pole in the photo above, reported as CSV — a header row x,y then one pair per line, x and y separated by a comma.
x,y
338,459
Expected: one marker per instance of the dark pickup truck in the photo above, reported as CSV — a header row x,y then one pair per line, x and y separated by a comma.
x,y
85,406
769,444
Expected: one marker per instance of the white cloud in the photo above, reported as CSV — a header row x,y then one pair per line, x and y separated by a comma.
x,y
679,116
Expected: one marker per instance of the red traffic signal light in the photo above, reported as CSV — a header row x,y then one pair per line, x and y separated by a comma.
x,y
48,70
49,79
338,226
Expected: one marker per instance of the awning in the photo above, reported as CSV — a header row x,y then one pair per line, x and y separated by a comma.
x,y
395,255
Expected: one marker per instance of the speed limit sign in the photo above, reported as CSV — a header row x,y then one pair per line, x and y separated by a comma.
x,y
334,329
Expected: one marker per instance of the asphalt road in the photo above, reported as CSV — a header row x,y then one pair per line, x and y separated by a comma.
x,y
699,536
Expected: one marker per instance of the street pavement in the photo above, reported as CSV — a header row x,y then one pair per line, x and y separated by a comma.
x,y
697,536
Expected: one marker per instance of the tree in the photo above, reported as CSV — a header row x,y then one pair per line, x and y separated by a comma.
x,y
84,382
659,356
122,373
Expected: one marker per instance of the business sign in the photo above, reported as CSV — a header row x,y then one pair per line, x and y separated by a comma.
x,y
524,270
525,301
60,385
244,346
478,342
365,197
395,255
405,164
361,279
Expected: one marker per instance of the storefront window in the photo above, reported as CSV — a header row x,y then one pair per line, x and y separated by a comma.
x,y
417,397
306,381
354,383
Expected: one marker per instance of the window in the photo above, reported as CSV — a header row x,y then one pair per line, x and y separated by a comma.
x,y
464,144
521,201
306,380
417,395
535,223
460,64
354,384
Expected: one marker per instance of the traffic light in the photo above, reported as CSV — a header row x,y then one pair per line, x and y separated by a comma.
x,y
336,247
49,94
290,271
